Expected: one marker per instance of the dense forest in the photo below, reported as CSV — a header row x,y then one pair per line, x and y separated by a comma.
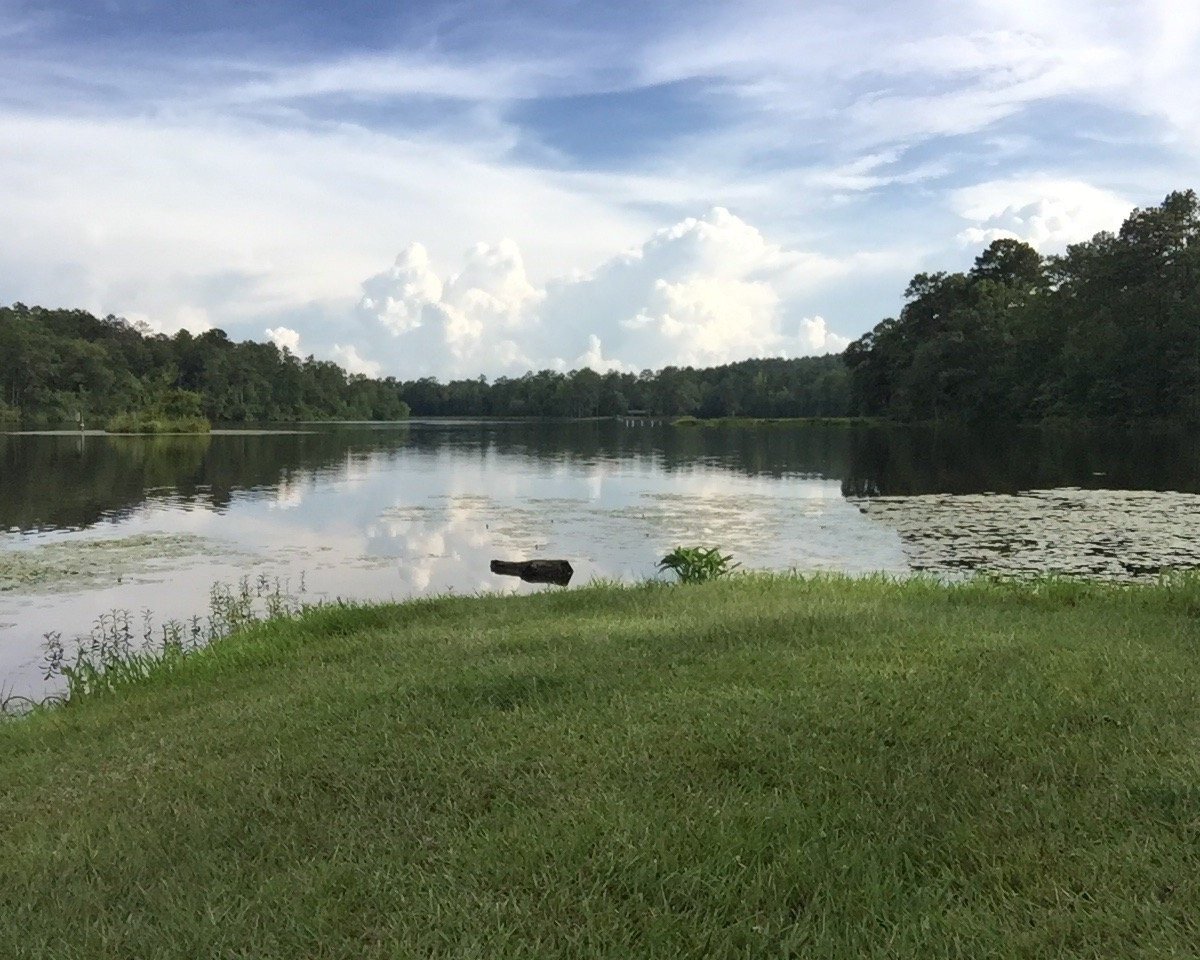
x,y
57,365
805,387
1109,330
60,365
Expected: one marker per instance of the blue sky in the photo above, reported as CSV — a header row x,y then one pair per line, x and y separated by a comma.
x,y
463,188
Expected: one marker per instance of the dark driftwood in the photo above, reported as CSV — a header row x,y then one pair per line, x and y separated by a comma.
x,y
558,572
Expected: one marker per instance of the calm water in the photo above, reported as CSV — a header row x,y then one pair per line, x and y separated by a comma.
x,y
89,523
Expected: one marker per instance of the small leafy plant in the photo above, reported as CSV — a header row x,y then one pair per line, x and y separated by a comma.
x,y
698,564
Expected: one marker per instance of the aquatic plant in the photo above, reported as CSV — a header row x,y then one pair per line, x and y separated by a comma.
x,y
698,564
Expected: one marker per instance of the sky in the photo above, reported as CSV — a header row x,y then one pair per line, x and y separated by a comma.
x,y
458,189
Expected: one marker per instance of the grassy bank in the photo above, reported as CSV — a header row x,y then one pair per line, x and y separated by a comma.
x,y
762,767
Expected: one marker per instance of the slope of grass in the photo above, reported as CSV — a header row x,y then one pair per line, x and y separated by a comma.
x,y
761,767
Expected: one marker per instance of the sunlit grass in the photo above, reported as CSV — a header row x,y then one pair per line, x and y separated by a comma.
x,y
754,767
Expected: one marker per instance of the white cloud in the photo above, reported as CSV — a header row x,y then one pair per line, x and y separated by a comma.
x,y
704,291
465,323
191,319
285,339
929,82
818,338
348,357
704,320
248,222
398,74
242,190
1049,214
593,358
397,297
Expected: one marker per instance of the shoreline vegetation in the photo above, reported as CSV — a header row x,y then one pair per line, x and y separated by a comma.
x,y
152,423
1048,423
763,765
776,421
1108,330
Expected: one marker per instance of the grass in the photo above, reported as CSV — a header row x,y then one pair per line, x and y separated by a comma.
x,y
753,767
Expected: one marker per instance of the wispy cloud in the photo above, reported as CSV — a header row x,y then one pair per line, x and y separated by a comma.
x,y
401,74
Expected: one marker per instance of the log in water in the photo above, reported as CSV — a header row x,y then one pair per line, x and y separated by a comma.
x,y
558,572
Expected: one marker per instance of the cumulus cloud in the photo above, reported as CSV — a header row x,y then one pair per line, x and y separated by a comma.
x,y
464,323
1048,214
348,357
593,358
285,339
704,291
257,191
818,338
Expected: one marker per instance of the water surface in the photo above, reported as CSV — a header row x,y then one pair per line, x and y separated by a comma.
x,y
90,522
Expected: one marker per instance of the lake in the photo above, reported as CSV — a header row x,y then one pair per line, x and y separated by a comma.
x,y
90,523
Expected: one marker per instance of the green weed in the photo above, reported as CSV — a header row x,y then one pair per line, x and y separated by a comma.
x,y
122,648
698,564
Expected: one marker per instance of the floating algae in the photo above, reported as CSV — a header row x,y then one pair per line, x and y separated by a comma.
x,y
1108,534
83,563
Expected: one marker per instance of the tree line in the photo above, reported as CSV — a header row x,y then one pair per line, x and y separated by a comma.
x,y
62,366
1108,330
803,387
59,366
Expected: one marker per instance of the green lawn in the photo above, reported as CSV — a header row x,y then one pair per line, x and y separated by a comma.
x,y
763,767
